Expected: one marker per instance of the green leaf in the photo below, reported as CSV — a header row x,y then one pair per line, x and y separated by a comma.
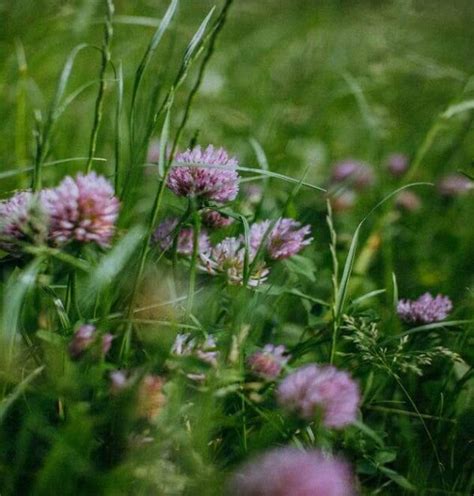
x,y
302,266
398,478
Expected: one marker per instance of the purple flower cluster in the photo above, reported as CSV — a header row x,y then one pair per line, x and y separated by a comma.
x,y
268,362
425,310
165,234
353,173
454,185
218,181
22,218
291,472
323,390
285,239
397,164
83,209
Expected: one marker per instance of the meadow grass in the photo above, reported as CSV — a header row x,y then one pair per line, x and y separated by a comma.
x,y
163,361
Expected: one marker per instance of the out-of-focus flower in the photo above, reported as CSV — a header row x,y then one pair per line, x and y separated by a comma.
x,y
425,310
118,381
291,472
323,390
83,209
353,173
342,201
454,185
268,362
219,181
284,240
397,164
150,397
85,338
253,193
215,220
153,154
228,258
22,218
186,345
164,237
409,201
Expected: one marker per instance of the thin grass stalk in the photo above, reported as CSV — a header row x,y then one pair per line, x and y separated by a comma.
x,y
108,33
334,279
118,134
194,258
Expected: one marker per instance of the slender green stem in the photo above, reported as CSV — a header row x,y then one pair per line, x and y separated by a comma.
x,y
108,32
334,279
192,274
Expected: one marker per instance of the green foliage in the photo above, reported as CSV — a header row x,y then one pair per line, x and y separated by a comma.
x,y
290,88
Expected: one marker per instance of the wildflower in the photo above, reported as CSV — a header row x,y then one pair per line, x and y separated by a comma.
x,y
409,201
343,200
153,153
83,209
353,172
186,345
287,239
216,220
397,164
322,390
268,362
218,181
165,234
22,218
425,309
253,193
150,397
84,339
118,380
291,472
228,258
284,240
454,185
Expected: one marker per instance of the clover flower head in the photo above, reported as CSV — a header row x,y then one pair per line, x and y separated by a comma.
x,y
228,258
408,201
354,173
291,472
454,185
218,181
22,218
165,234
397,164
85,337
82,209
215,220
425,310
285,239
323,390
343,200
268,362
